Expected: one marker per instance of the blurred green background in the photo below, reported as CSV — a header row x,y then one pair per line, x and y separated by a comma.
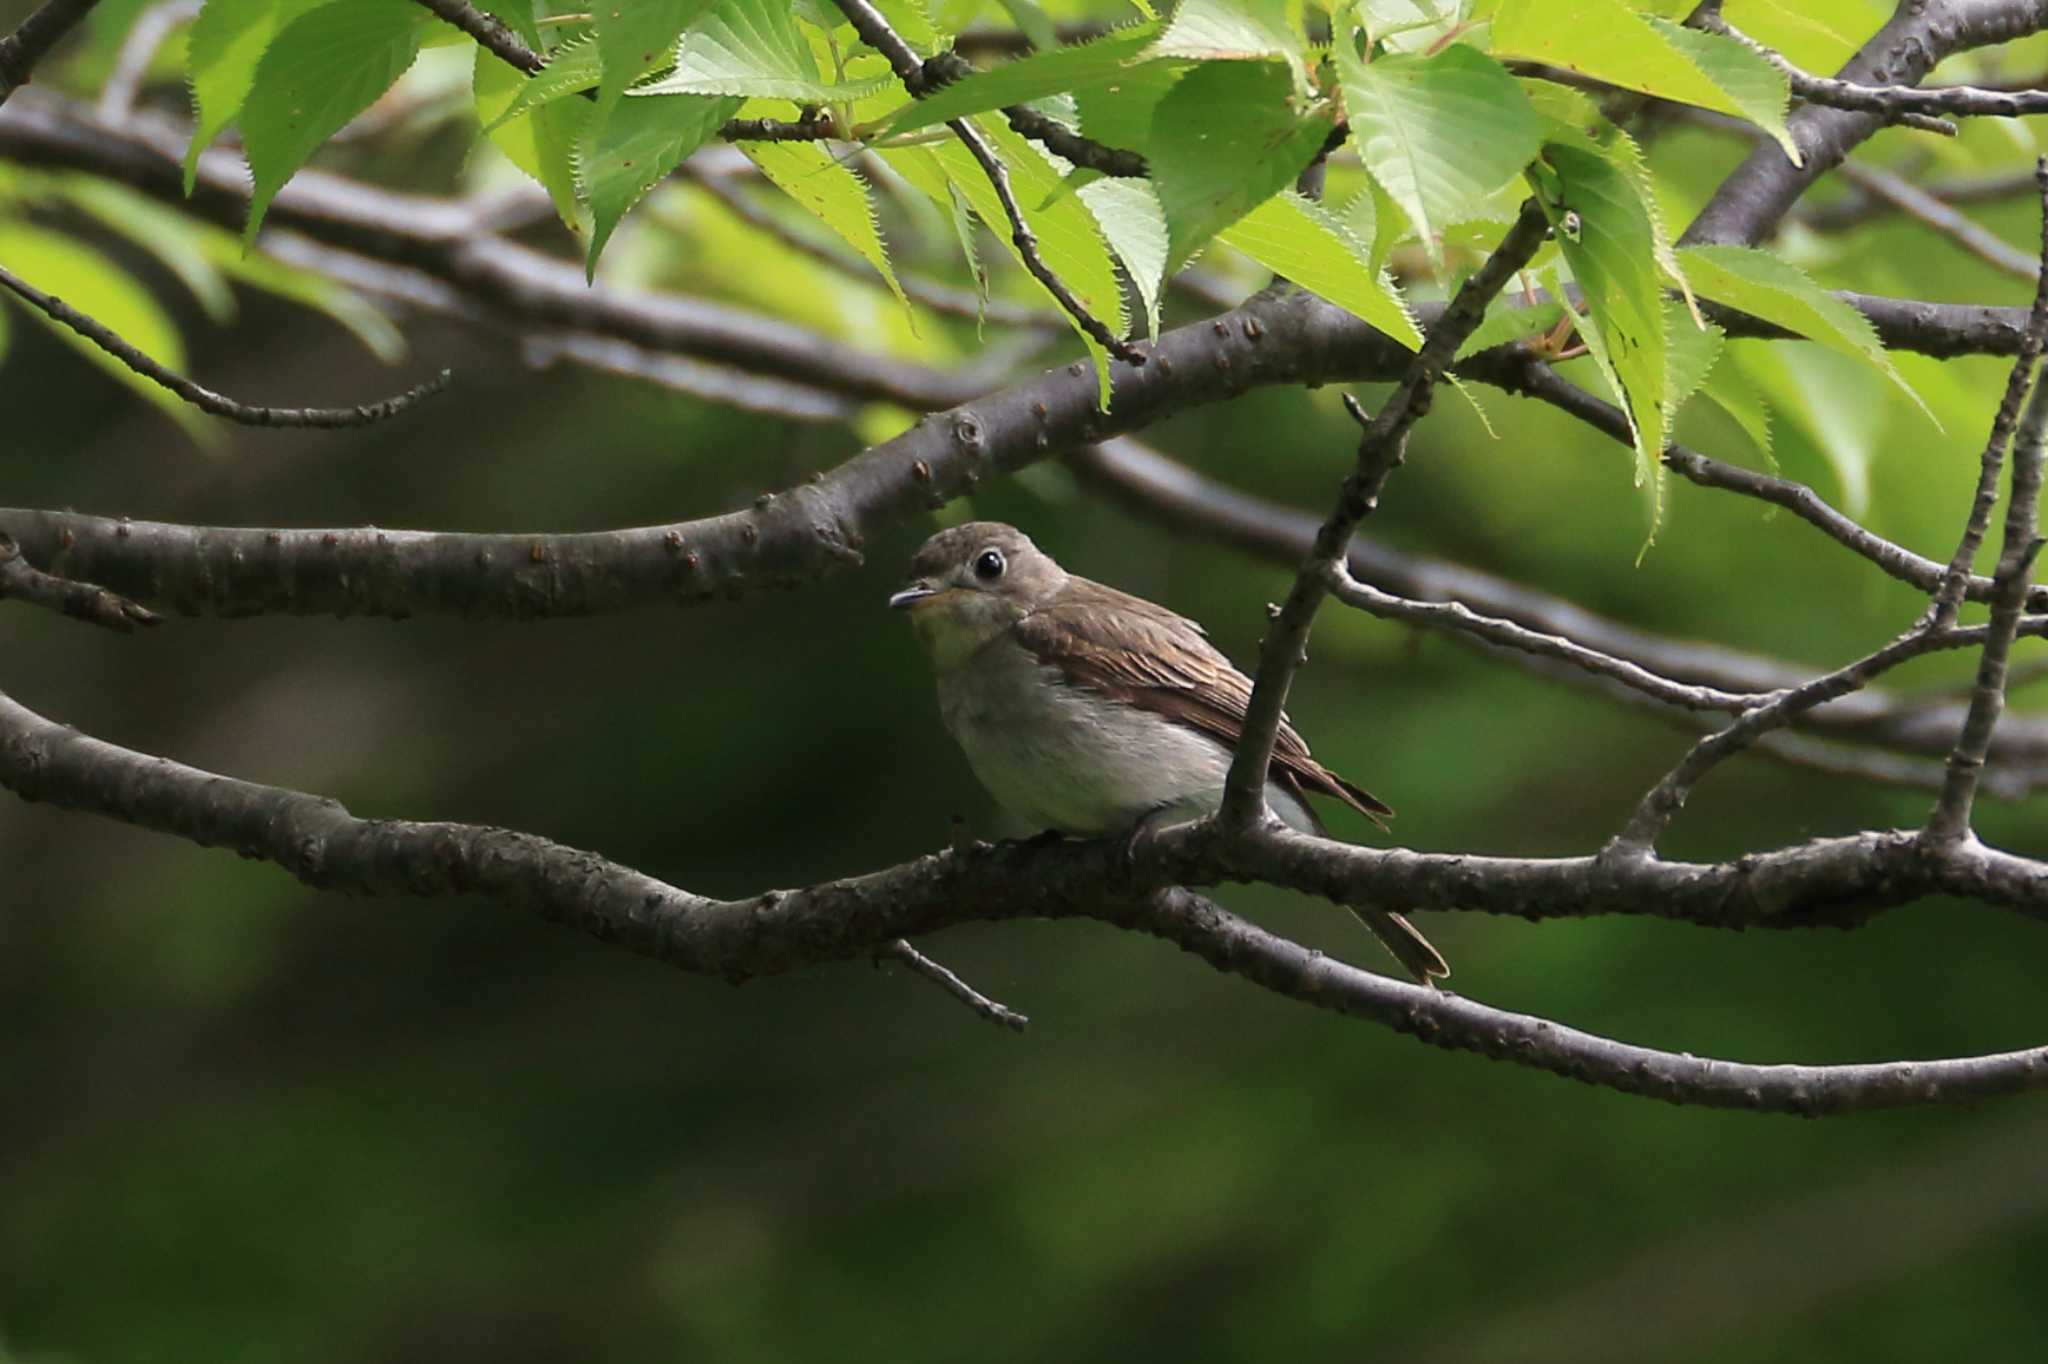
x,y
240,1120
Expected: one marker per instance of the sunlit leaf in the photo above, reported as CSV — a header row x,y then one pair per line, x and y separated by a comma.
x,y
1440,133
1767,287
1607,40
1029,78
1605,234
1224,139
635,37
635,149
222,48
324,68
1305,243
753,48
837,197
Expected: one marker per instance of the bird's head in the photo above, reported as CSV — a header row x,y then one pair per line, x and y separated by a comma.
x,y
969,584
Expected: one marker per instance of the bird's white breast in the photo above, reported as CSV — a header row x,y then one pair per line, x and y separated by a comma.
x,y
1065,758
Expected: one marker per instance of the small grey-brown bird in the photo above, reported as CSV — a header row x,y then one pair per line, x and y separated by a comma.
x,y
1087,711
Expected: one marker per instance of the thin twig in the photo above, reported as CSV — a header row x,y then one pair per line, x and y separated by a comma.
x,y
1913,106
1931,212
874,30
83,601
1380,450
1506,634
205,399
138,51
29,44
1950,819
1654,813
1853,209
1528,375
999,1014
1948,597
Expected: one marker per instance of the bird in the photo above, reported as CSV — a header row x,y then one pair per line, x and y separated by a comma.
x,y
1087,711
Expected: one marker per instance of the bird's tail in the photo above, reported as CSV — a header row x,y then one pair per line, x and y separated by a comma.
x,y
1406,942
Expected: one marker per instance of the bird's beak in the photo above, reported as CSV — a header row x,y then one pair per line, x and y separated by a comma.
x,y
912,595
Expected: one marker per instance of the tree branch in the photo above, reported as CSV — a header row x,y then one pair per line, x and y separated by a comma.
x,y
23,581
22,49
1948,597
1950,819
1162,490
1833,880
874,30
205,399
1380,449
1000,1015
1893,103
1937,216
1751,201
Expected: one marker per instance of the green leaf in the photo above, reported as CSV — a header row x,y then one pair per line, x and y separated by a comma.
x,y
1607,40
541,142
1439,133
222,49
1756,88
1301,240
1694,350
1612,255
1224,140
1069,239
1130,217
1118,112
1834,403
1764,286
1727,389
635,149
572,68
1235,30
635,37
326,67
109,295
838,198
753,48
1509,319
1034,77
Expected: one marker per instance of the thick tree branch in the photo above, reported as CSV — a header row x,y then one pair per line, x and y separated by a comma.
x,y
1828,881
22,49
205,399
1380,450
1751,202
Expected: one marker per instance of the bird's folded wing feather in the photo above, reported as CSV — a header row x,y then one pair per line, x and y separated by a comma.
x,y
1161,662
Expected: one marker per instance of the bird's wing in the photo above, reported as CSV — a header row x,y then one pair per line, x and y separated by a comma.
x,y
1161,662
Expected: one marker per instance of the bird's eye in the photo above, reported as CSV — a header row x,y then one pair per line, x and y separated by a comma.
x,y
988,565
